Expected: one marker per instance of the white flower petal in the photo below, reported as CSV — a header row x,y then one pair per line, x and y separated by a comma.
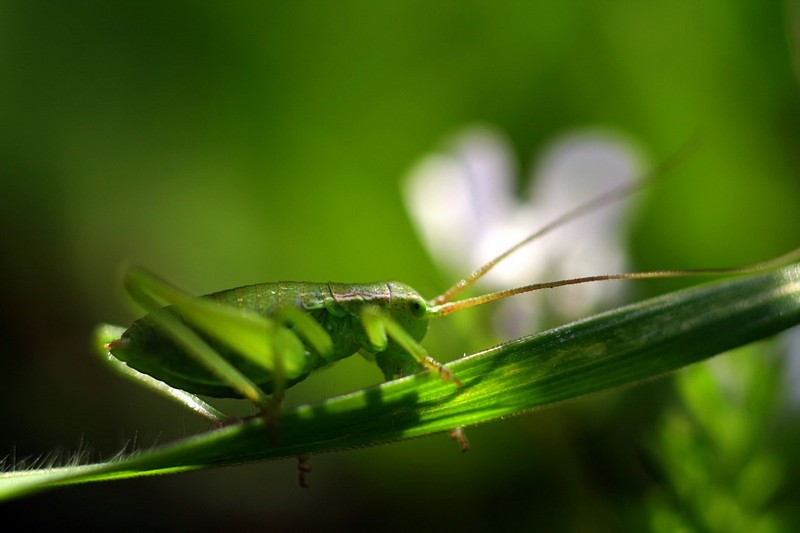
x,y
440,203
790,342
463,204
456,196
573,170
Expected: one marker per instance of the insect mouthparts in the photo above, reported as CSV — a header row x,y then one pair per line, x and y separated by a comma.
x,y
115,344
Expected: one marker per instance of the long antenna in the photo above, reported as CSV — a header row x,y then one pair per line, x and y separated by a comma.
x,y
609,197
450,307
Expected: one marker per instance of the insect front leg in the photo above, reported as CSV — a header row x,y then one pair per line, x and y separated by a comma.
x,y
380,327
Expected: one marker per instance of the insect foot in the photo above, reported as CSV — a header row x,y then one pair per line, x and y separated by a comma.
x,y
460,437
444,373
303,468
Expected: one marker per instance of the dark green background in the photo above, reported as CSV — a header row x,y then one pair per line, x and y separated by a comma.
x,y
224,143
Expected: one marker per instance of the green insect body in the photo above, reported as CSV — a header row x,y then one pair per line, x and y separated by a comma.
x,y
336,307
255,341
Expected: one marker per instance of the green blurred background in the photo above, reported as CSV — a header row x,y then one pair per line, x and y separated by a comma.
x,y
221,144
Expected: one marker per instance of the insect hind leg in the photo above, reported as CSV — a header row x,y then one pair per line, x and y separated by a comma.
x,y
105,338
151,292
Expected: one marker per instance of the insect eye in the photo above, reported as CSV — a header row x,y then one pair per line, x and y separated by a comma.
x,y
417,307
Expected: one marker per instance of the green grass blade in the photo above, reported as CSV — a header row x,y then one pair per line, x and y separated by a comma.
x,y
613,349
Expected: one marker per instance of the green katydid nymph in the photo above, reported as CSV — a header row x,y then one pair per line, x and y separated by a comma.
x,y
256,341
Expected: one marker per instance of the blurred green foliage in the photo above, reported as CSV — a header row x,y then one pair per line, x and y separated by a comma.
x,y
724,452
221,144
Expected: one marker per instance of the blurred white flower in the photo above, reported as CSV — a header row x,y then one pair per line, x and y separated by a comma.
x,y
463,201
790,342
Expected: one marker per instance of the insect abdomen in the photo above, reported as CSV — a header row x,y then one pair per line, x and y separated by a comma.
x,y
147,349
152,352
